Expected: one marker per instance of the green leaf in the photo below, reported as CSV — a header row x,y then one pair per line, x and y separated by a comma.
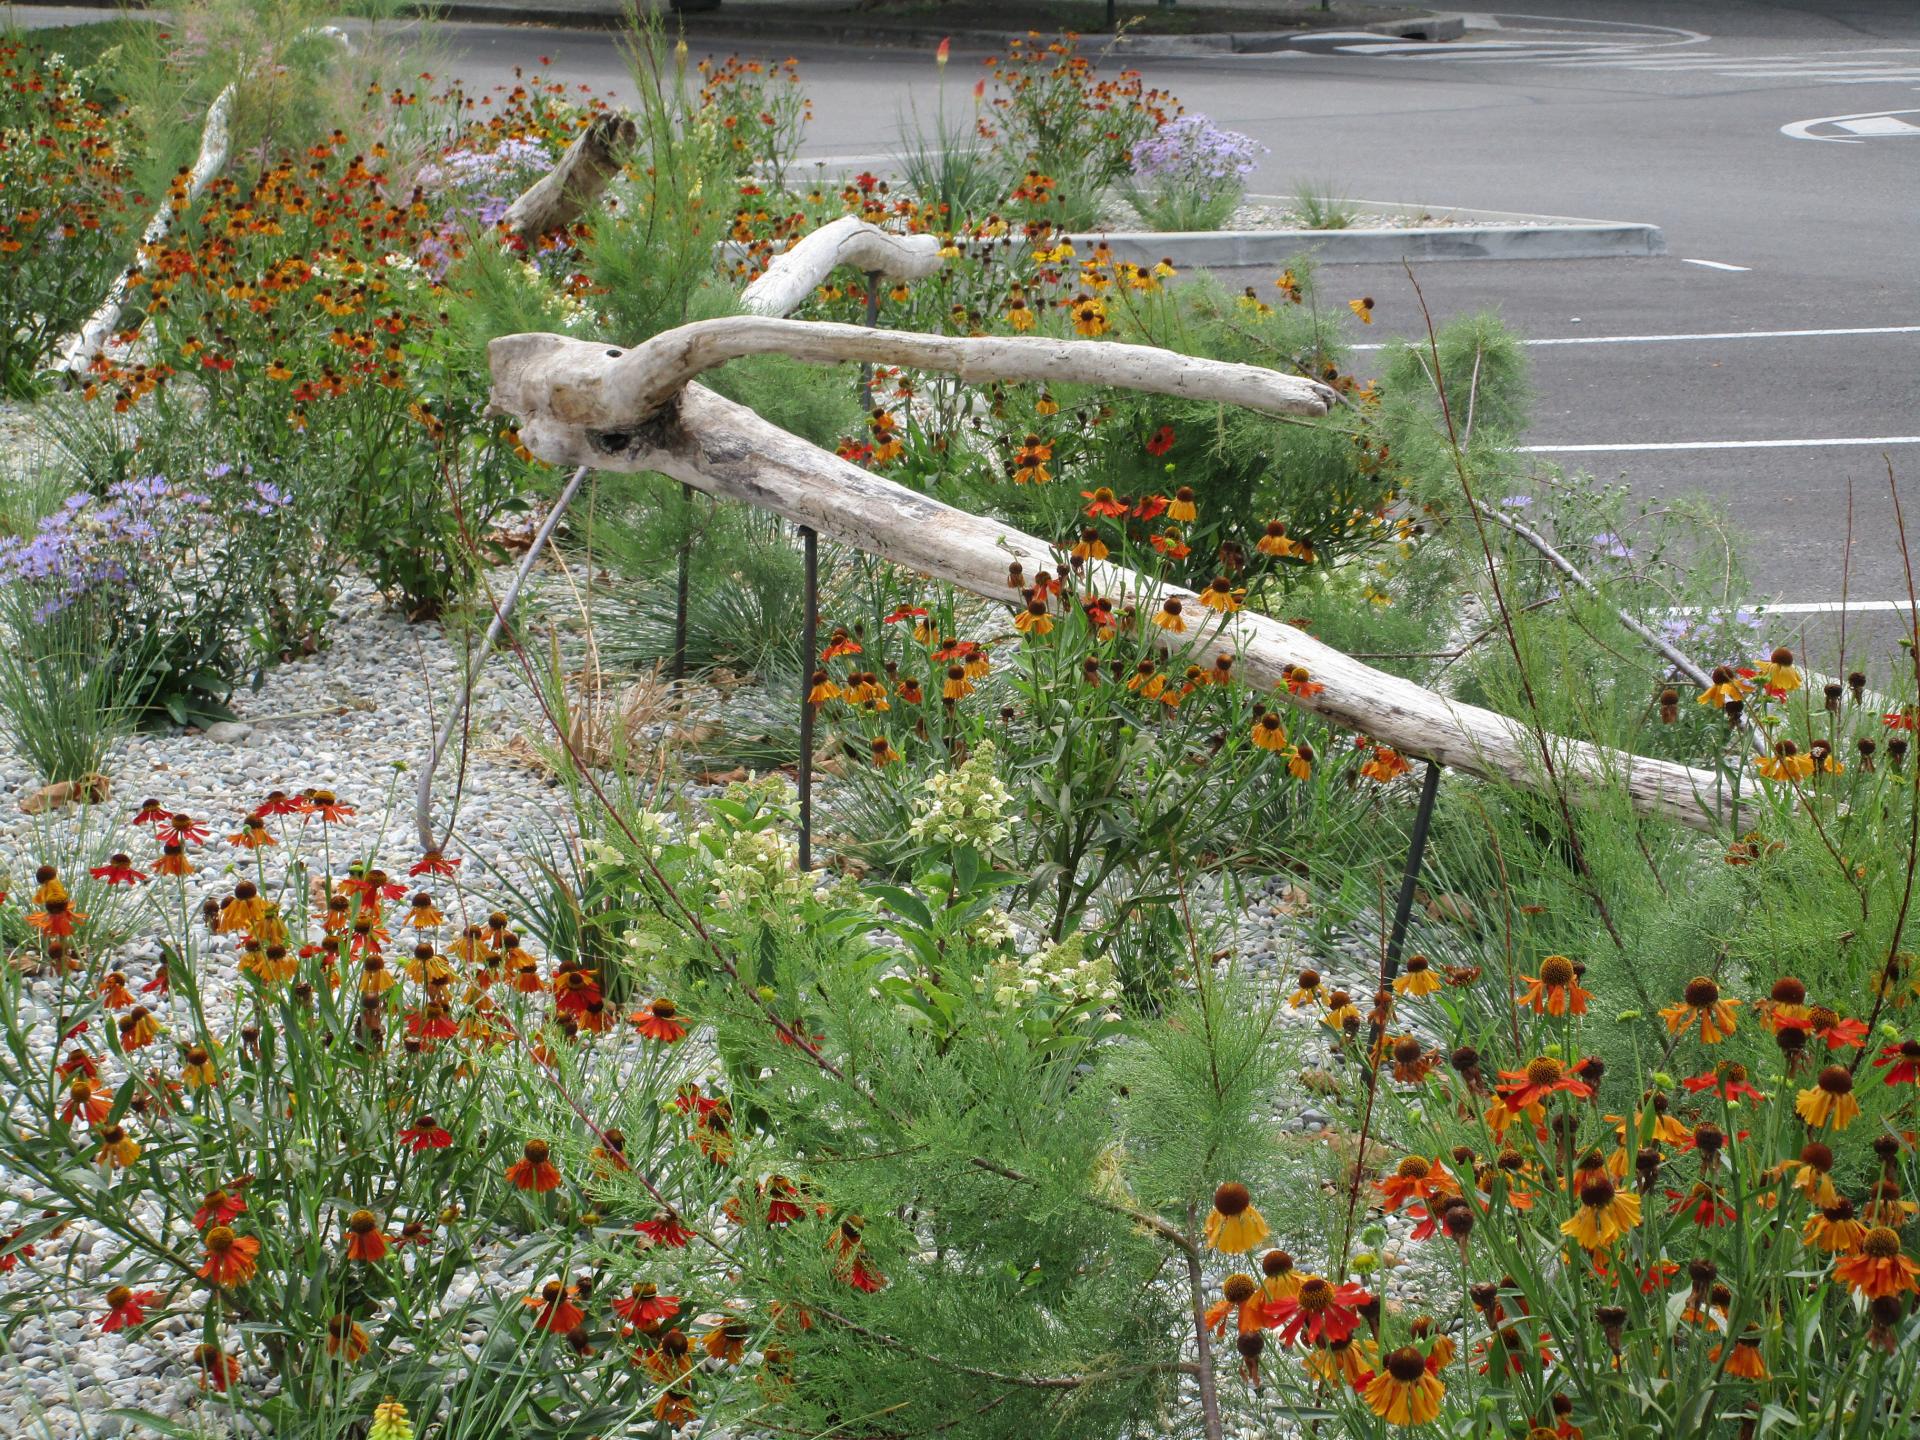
x,y
905,902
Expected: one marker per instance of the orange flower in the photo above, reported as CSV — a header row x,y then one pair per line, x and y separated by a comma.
x,y
118,1149
1542,1077
555,1307
1701,1005
346,1339
1268,731
1556,989
56,918
1878,1268
533,1170
660,1021
231,1258
364,1238
86,1101
1417,1178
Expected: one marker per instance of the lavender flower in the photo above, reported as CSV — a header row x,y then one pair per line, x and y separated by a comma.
x,y
1190,173
1194,152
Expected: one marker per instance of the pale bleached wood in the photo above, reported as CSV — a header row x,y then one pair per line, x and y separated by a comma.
x,y
727,450
83,348
563,194
577,382
791,276
80,351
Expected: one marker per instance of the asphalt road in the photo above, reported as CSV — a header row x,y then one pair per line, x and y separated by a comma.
x,y
1674,113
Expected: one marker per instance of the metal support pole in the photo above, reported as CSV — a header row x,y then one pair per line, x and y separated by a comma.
x,y
809,645
1409,882
873,319
679,668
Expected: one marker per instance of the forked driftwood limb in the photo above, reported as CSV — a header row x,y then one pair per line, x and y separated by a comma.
x,y
791,276
216,140
564,193
552,379
727,450
80,351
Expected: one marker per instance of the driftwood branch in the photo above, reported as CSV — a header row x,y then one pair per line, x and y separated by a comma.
x,y
216,140
727,450
576,384
791,276
564,193
80,351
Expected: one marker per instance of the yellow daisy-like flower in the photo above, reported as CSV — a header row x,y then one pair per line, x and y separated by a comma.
x,y
1604,1216
1405,1392
1829,1102
1234,1227
1779,672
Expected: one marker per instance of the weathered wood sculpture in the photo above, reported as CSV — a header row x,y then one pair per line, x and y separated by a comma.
x,y
595,406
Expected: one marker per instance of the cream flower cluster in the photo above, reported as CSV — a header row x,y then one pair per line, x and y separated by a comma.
x,y
966,806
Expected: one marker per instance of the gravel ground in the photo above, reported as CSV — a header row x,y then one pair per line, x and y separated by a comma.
x,y
348,719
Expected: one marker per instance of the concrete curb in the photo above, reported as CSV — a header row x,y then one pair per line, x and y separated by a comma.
x,y
1270,249
1543,237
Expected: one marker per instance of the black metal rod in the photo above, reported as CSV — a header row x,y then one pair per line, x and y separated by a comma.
x,y
1409,882
809,644
873,318
679,671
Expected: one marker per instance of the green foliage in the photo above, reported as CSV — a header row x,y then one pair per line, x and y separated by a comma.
x,y
1319,207
67,214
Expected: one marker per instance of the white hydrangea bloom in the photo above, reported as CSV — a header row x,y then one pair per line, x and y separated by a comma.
x,y
966,806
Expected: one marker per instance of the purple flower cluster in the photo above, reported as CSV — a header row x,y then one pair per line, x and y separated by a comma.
x,y
1193,153
486,182
97,542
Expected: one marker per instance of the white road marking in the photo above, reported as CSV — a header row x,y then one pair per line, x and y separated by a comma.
x,y
1827,607
1803,129
1716,264
1721,445
1705,335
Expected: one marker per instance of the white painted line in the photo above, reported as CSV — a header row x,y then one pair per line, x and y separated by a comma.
x,y
1720,445
1705,335
1879,125
1828,607
1715,264
1803,129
